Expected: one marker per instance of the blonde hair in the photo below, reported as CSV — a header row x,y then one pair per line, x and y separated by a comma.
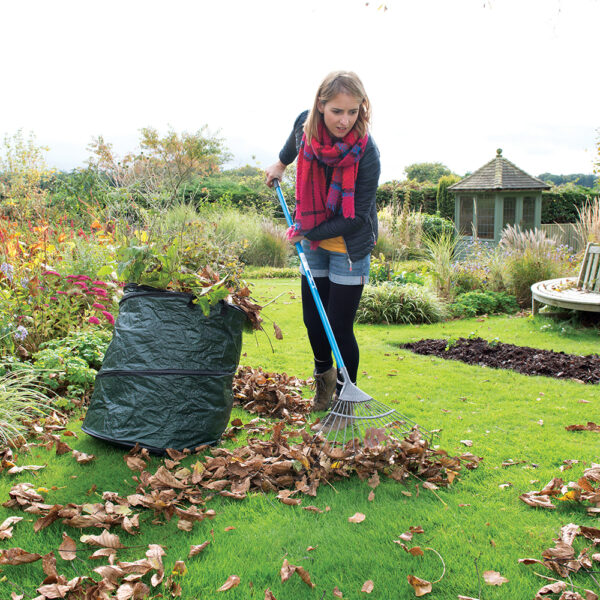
x,y
339,82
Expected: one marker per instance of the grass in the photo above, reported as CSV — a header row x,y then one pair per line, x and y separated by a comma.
x,y
475,525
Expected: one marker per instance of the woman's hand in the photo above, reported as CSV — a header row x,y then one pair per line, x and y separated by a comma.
x,y
275,171
296,238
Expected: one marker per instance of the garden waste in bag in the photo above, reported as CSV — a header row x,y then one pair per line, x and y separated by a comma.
x,y
166,379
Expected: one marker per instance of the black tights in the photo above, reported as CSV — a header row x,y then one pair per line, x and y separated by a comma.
x,y
341,304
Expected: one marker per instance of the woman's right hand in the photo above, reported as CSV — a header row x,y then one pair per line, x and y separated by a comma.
x,y
275,171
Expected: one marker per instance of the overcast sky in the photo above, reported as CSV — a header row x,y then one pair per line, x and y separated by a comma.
x,y
449,80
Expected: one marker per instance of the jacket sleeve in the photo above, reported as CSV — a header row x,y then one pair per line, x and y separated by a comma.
x,y
290,149
367,180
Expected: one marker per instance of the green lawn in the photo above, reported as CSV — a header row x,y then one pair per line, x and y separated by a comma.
x,y
473,526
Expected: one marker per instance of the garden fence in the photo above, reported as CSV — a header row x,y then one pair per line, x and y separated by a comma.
x,y
565,233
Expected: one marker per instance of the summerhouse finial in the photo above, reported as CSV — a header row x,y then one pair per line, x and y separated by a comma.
x,y
499,152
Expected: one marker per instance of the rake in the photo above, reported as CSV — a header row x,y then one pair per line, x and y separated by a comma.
x,y
355,415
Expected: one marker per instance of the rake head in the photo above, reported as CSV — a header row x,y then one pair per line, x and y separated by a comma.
x,y
355,416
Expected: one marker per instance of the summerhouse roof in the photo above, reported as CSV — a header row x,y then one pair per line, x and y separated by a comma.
x,y
499,174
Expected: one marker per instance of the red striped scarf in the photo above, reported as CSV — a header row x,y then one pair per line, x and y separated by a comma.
x,y
314,203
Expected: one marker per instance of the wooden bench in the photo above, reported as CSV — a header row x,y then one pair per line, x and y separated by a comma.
x,y
576,293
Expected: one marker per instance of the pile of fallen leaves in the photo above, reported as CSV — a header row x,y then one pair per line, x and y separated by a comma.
x,y
563,560
274,395
177,491
585,489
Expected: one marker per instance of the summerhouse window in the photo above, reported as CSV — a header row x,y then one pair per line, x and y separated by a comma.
x,y
485,217
466,215
528,221
509,212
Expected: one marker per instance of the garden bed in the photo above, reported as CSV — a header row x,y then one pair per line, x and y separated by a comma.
x,y
523,359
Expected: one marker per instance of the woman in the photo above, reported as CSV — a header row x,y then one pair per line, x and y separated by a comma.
x,y
336,216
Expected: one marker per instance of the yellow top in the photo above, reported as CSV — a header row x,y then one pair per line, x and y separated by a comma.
x,y
335,244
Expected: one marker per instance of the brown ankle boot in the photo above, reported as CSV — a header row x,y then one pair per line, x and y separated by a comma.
x,y
325,384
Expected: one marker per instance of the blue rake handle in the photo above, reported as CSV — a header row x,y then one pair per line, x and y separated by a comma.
x,y
313,288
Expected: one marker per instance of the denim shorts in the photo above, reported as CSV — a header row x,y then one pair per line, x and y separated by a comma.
x,y
336,265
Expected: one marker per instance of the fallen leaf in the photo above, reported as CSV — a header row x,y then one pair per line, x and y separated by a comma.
x,y
105,540
337,593
466,598
357,518
278,333
286,570
368,586
371,496
232,581
468,443
6,527
82,457
421,586
67,549
269,595
494,578
179,568
197,549
17,556
303,573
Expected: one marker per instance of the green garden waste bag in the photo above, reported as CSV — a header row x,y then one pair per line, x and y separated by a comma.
x,y
166,379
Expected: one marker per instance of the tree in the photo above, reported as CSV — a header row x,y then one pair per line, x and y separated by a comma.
x,y
431,172
444,198
164,164
23,165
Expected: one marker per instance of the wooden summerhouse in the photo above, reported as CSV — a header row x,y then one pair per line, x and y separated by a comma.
x,y
496,195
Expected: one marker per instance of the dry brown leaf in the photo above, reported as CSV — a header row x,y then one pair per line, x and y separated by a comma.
x,y
17,556
197,549
6,527
286,570
104,540
82,457
304,576
467,443
357,518
421,586
337,593
269,595
179,568
494,578
371,496
278,333
368,586
232,581
67,549
551,588
466,598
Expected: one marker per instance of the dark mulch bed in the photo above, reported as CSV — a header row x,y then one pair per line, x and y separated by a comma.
x,y
529,361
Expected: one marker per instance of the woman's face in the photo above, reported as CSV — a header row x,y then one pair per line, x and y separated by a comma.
x,y
340,114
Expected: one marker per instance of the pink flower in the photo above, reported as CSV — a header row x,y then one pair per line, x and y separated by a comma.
x,y
94,320
71,276
84,278
101,293
82,284
109,317
99,283
53,298
98,305
52,273
60,292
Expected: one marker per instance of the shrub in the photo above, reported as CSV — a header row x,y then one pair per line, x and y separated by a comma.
x,y
588,222
445,199
471,304
440,260
390,303
271,272
529,257
21,397
69,365
435,226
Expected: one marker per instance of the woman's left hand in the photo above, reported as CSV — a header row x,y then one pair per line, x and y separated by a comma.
x,y
296,238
